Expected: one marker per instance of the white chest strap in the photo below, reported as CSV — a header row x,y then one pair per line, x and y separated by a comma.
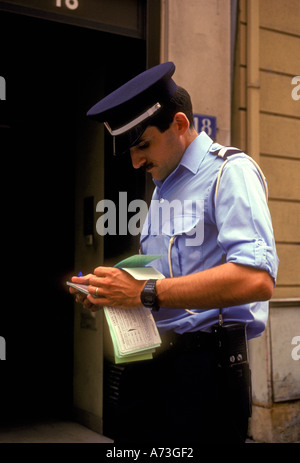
x,y
224,153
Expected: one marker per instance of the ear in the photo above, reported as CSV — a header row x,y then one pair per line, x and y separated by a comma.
x,y
182,122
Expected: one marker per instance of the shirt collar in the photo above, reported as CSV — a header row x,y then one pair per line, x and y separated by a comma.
x,y
193,155
195,152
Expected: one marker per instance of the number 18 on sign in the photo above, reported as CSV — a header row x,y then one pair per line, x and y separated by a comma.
x,y
206,123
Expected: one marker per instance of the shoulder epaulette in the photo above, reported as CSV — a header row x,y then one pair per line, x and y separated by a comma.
x,y
226,151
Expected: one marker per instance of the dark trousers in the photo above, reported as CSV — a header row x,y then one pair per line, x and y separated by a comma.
x,y
179,397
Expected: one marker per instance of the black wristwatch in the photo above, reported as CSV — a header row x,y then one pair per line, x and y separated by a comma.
x,y
149,296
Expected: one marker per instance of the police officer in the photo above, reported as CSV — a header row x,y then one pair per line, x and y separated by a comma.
x,y
219,254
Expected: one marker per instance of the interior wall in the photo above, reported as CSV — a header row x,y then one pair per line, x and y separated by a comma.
x,y
99,176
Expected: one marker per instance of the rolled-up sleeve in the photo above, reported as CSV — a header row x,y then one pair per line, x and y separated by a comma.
x,y
245,231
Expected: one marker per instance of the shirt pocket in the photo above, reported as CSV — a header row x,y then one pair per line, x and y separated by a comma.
x,y
184,234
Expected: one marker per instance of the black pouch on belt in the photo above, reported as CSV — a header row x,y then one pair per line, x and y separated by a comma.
x,y
233,363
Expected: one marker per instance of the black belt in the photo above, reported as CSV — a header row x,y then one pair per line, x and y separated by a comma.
x,y
186,342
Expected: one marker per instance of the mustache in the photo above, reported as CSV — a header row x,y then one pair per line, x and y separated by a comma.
x,y
147,165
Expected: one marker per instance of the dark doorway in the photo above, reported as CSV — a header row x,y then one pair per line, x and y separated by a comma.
x,y
45,65
37,236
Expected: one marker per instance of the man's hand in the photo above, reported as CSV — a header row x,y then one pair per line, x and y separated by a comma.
x,y
80,297
110,286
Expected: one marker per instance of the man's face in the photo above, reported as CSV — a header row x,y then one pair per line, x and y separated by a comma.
x,y
158,152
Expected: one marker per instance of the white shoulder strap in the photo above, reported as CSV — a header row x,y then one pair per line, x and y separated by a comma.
x,y
229,151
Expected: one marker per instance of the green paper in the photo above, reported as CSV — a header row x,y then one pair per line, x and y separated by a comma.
x,y
133,332
138,260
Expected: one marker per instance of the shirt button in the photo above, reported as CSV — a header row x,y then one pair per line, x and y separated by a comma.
x,y
161,200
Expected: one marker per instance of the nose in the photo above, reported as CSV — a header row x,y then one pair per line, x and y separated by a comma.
x,y
137,159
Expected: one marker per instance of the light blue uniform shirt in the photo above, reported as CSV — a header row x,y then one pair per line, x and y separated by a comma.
x,y
237,228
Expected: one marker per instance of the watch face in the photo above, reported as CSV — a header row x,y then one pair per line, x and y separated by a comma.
x,y
148,298
148,295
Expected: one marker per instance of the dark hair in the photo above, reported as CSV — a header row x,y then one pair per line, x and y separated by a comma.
x,y
180,102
